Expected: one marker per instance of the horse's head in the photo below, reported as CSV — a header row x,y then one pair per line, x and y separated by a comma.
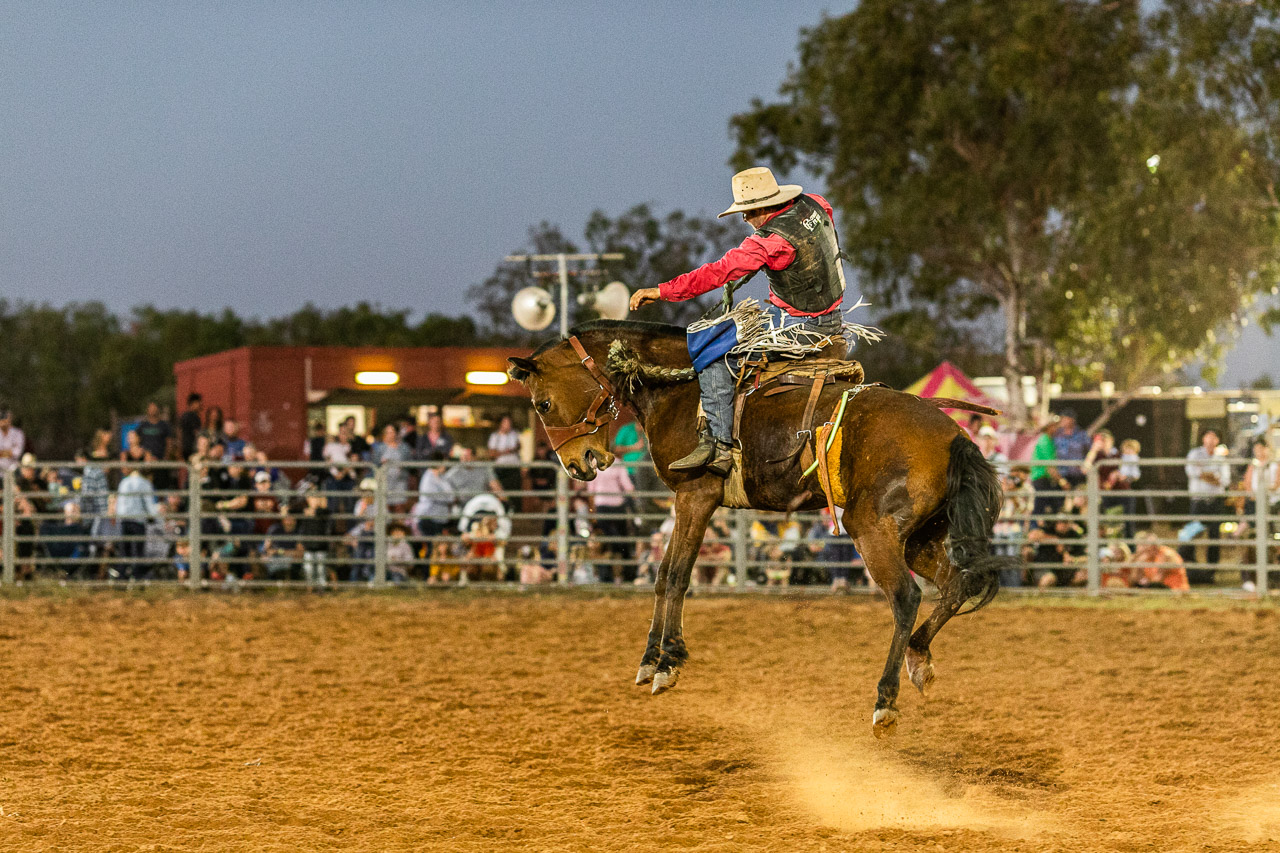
x,y
575,402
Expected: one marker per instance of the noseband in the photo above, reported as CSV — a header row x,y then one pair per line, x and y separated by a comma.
x,y
594,418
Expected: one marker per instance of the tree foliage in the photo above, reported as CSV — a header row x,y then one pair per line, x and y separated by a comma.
x,y
995,153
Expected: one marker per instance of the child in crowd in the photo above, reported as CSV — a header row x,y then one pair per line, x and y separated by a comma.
x,y
443,568
399,554
531,570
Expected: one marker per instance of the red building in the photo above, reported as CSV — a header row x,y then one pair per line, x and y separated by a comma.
x,y
274,393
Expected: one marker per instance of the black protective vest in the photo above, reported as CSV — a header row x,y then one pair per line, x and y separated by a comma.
x,y
814,281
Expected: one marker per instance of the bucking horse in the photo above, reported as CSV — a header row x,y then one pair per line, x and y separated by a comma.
x,y
917,494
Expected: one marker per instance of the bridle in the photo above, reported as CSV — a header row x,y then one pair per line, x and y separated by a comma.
x,y
594,419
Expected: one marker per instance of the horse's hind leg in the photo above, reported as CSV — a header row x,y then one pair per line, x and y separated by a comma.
x,y
882,550
929,559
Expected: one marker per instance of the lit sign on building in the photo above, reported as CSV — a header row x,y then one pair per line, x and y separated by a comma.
x,y
377,377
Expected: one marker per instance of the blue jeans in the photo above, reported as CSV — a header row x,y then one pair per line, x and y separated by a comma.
x,y
716,382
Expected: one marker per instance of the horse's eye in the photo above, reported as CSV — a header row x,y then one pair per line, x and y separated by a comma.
x,y
544,407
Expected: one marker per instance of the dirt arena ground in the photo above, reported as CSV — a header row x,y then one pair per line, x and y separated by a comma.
x,y
479,722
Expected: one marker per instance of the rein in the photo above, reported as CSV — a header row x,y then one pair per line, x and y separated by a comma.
x,y
594,419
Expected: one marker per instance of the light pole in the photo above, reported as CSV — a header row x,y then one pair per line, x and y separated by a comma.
x,y
562,478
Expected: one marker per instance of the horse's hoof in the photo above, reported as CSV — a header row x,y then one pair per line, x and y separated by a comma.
x,y
645,674
665,680
884,721
920,670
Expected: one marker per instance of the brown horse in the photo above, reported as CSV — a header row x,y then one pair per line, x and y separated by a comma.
x,y
917,494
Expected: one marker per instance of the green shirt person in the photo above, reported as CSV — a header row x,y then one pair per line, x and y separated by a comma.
x,y
1044,451
630,443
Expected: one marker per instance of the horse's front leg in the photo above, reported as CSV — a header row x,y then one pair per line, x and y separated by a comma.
x,y
653,648
693,511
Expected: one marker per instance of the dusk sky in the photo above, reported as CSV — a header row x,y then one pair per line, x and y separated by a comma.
x,y
262,155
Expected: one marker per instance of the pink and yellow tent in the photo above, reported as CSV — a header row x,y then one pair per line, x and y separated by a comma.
x,y
947,380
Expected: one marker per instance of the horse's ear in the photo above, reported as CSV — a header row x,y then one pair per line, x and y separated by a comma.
x,y
521,369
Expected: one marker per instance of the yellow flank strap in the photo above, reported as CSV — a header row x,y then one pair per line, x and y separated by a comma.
x,y
831,433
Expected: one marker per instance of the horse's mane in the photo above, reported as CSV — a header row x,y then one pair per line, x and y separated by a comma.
x,y
665,330
623,361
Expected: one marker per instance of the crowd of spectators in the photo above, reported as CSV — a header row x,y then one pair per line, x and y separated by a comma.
x,y
450,508
1045,506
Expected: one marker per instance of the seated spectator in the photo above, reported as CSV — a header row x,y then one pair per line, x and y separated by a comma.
x,y
434,507
774,543
1054,547
315,528
28,481
25,530
104,533
1158,566
359,537
282,550
264,504
836,551
66,539
470,478
443,567
483,544
532,571
715,559
232,443
182,559
400,554
340,489
1012,526
987,439
1115,558
649,557
582,568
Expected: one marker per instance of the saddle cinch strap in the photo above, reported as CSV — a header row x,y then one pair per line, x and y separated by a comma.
x,y
593,420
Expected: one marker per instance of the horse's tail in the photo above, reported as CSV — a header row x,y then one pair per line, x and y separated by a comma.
x,y
973,504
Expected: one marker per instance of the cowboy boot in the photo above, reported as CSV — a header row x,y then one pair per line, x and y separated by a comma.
x,y
722,460
699,456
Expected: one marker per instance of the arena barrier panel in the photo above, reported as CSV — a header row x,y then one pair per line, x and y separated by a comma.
x,y
201,535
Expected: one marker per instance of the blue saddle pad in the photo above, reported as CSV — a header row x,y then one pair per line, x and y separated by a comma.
x,y
707,345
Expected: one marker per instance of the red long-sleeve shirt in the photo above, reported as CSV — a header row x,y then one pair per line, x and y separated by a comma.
x,y
752,254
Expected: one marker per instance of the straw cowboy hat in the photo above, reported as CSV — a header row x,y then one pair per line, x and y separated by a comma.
x,y
757,187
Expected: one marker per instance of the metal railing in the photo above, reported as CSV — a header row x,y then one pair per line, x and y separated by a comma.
x,y
317,524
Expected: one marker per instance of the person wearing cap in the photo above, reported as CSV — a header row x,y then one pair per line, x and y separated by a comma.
x,y
795,243
12,442
987,441
1072,443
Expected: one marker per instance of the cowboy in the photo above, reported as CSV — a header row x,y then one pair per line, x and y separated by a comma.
x,y
795,244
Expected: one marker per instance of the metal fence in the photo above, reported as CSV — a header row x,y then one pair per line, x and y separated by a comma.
x,y
311,524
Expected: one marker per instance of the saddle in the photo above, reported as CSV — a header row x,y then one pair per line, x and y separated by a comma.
x,y
780,377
